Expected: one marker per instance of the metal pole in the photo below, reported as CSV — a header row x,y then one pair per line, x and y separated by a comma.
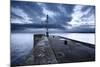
x,y
47,33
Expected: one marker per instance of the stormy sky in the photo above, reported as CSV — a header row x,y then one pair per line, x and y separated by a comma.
x,y
31,16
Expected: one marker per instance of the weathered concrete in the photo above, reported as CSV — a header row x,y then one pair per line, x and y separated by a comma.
x,y
43,54
57,49
67,50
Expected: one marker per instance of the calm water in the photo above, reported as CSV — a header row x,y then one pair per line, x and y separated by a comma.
x,y
84,37
22,44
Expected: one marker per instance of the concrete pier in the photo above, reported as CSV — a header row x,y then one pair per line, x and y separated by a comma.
x,y
67,51
55,49
43,53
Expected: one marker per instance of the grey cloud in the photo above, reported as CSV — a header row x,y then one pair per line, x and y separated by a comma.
x,y
59,14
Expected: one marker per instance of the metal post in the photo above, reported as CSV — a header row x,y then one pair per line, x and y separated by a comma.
x,y
47,33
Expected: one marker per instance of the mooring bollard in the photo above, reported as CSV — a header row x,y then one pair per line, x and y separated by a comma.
x,y
65,42
53,36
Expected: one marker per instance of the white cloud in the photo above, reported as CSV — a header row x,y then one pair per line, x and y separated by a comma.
x,y
41,4
43,18
16,20
21,13
79,17
62,9
48,12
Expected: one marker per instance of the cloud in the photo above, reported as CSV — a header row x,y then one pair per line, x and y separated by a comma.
x,y
48,12
65,10
21,13
80,17
36,12
49,9
62,9
66,16
16,20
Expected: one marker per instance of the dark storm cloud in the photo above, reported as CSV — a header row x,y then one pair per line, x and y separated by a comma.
x,y
13,15
90,12
83,18
61,16
30,8
35,11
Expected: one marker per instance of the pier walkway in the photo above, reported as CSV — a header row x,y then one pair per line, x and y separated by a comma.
x,y
67,50
55,49
43,53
